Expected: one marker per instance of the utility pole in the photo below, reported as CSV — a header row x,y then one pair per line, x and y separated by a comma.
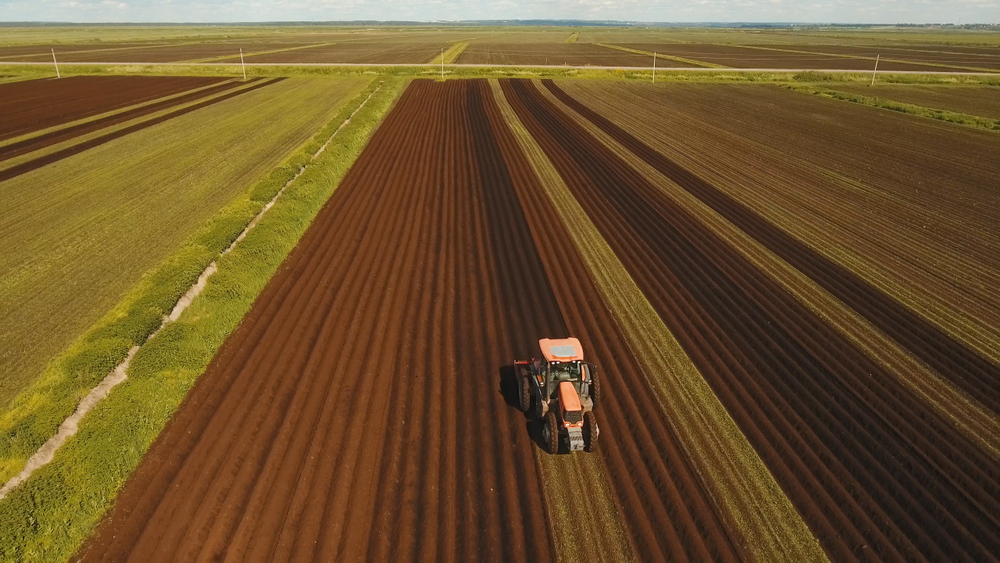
x,y
654,67
876,70
55,63
442,64
243,64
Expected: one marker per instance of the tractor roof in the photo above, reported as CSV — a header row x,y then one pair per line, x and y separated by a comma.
x,y
561,349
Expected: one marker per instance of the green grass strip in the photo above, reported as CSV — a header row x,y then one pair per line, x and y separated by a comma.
x,y
451,54
724,75
33,416
912,109
661,56
47,517
573,37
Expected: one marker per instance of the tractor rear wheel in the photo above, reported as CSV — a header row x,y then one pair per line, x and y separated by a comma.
x,y
590,431
550,432
525,394
595,386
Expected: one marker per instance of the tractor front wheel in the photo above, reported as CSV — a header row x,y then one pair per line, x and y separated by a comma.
x,y
525,394
550,432
590,431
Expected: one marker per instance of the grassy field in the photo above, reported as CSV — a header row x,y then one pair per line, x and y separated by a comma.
x,y
47,517
81,231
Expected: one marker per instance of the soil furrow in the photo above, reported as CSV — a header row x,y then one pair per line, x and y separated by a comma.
x,y
610,194
964,367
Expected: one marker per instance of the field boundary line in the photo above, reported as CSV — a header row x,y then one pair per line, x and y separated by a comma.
x,y
230,68
70,426
857,57
661,56
255,53
963,411
573,37
734,475
948,116
85,120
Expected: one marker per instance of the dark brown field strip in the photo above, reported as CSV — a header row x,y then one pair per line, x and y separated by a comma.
x,y
354,414
964,367
32,105
48,139
874,472
41,161
667,513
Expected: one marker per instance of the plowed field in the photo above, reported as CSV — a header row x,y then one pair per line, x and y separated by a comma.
x,y
494,53
364,408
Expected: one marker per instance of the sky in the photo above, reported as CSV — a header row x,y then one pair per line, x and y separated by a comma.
x,y
815,11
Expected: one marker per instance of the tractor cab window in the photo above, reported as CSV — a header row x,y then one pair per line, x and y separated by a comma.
x,y
564,371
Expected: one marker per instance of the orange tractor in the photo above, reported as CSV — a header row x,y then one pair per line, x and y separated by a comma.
x,y
563,391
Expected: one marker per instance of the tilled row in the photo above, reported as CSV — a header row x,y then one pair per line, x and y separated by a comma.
x,y
871,468
964,367
355,415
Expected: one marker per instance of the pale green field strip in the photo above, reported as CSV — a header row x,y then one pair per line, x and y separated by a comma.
x,y
748,165
575,488
245,55
661,56
451,54
69,124
49,515
977,121
27,157
573,37
860,57
964,412
742,487
81,231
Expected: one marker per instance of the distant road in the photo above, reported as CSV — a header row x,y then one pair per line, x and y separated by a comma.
x,y
564,67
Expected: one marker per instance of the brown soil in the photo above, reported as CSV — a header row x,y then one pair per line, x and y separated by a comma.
x,y
37,104
874,472
363,410
375,52
744,57
576,54
941,56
